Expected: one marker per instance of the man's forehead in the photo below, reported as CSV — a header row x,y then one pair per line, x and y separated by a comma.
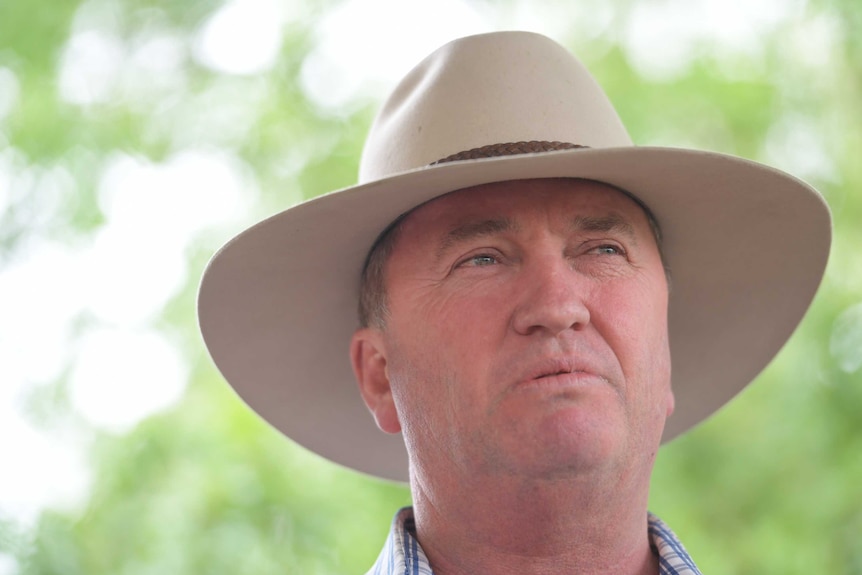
x,y
496,206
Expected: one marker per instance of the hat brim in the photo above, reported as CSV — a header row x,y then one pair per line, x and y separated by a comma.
x,y
746,246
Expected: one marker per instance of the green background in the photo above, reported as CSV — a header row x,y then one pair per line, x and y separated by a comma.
x,y
769,485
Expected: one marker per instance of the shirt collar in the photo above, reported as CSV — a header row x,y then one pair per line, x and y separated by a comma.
x,y
402,554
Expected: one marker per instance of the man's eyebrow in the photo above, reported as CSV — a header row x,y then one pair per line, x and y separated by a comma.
x,y
475,229
608,223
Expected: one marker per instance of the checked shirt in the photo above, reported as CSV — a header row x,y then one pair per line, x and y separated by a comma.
x,y
402,555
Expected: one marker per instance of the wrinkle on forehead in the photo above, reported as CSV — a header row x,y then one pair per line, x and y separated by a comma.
x,y
610,223
476,229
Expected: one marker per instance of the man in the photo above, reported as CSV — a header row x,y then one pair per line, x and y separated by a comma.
x,y
529,284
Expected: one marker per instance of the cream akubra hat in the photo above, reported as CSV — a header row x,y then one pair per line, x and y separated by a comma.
x,y
746,244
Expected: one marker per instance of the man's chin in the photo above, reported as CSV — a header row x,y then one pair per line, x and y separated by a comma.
x,y
564,447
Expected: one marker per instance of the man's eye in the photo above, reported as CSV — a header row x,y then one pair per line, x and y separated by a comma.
x,y
480,260
609,250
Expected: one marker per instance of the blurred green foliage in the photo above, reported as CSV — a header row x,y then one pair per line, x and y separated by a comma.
x,y
770,485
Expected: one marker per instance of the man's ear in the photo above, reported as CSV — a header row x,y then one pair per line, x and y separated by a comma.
x,y
368,356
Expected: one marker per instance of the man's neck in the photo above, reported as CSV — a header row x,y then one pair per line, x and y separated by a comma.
x,y
534,528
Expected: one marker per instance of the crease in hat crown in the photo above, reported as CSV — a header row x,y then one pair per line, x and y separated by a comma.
x,y
489,89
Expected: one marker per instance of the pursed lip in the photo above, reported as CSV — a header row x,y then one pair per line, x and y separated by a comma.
x,y
559,371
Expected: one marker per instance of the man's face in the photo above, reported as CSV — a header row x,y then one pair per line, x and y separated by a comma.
x,y
526,335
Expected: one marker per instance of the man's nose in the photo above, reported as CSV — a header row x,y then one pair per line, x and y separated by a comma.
x,y
553,298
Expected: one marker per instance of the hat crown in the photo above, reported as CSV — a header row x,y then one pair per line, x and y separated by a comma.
x,y
489,89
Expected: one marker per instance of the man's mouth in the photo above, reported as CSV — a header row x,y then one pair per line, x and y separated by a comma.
x,y
561,372
558,367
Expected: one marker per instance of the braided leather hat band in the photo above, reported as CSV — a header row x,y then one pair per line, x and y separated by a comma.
x,y
508,149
